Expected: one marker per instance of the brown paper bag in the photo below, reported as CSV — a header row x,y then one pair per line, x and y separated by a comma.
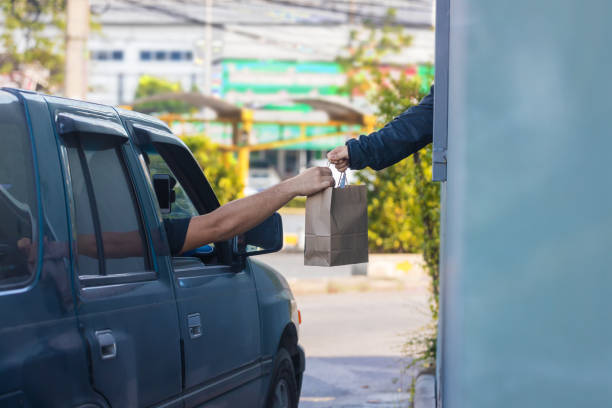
x,y
337,227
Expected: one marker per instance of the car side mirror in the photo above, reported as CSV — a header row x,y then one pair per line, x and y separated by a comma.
x,y
163,184
265,238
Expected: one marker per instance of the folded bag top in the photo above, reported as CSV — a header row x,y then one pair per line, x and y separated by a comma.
x,y
337,226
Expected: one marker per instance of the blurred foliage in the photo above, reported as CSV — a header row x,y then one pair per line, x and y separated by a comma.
x,y
222,176
297,202
33,39
403,202
365,53
421,345
149,86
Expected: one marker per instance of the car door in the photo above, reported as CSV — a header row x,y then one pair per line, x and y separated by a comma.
x,y
126,306
40,344
216,295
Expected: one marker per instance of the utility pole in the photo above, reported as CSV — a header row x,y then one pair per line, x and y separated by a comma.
x,y
433,14
207,57
208,48
77,32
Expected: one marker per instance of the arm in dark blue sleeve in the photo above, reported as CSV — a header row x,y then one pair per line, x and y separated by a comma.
x,y
404,135
176,231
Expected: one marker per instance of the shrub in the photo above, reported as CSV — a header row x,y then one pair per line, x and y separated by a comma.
x,y
222,176
403,202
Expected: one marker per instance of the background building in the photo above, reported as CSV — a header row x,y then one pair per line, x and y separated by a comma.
x,y
167,39
263,54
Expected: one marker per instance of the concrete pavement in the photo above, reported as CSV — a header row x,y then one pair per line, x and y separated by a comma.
x,y
353,339
353,347
291,265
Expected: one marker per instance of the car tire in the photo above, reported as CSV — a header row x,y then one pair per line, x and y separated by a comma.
x,y
283,392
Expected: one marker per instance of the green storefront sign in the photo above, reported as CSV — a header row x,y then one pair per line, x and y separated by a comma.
x,y
271,85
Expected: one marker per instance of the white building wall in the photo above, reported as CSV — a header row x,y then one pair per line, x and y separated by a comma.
x,y
105,77
132,29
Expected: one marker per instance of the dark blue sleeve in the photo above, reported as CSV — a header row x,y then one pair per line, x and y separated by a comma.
x,y
404,135
176,231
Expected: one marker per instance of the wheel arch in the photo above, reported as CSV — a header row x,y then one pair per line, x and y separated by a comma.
x,y
289,341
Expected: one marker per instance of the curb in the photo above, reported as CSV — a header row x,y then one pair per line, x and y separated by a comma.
x,y
425,390
352,284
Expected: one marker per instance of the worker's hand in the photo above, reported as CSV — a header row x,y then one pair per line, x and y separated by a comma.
x,y
312,181
339,157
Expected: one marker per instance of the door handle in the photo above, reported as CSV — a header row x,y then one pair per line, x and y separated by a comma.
x,y
107,344
194,323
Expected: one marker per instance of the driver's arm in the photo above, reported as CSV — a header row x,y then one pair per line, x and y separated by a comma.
x,y
241,215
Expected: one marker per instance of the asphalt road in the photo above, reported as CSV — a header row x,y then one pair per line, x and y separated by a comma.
x,y
353,347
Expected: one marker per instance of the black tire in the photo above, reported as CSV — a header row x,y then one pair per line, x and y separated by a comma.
x,y
283,392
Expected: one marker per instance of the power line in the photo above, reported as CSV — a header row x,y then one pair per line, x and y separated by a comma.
x,y
293,46
333,8
412,5
364,17
219,26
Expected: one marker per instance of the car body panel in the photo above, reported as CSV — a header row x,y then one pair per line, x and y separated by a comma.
x,y
39,334
246,308
141,315
279,321
224,300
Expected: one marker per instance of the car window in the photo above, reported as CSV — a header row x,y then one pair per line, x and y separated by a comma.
x,y
183,207
153,164
17,196
110,238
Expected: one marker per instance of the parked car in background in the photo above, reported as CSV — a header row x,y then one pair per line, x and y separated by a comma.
x,y
262,175
95,312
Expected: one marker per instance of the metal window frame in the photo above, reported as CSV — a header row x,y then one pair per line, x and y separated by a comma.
x,y
440,126
103,278
36,214
93,206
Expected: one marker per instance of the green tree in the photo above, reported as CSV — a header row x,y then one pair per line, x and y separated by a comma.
x,y
32,41
149,86
222,176
220,168
403,202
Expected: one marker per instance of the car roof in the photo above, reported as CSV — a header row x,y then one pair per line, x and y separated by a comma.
x,y
123,113
141,117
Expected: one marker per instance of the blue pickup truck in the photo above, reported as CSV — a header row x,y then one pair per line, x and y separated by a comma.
x,y
94,309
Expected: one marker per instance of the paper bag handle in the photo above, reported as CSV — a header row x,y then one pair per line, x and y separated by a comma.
x,y
343,180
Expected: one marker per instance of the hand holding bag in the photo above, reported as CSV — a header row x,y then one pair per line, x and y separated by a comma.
x,y
337,226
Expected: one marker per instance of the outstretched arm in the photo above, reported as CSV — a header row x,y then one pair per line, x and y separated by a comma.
x,y
404,135
241,215
221,224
